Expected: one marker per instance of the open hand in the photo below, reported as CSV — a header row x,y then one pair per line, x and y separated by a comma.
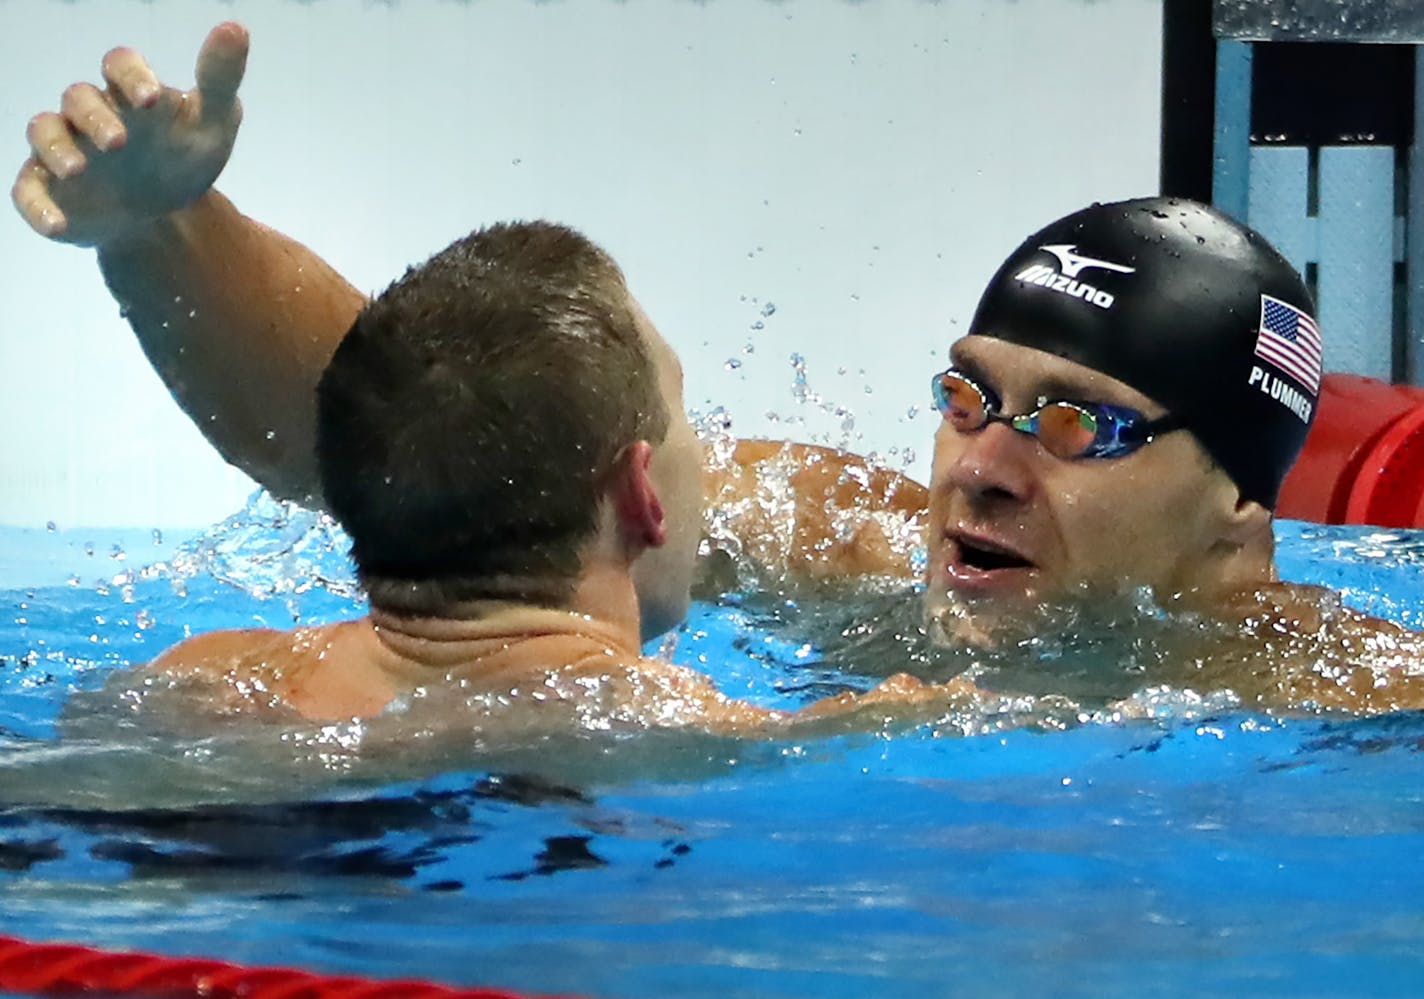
x,y
111,161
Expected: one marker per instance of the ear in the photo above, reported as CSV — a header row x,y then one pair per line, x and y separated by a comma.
x,y
1247,522
635,499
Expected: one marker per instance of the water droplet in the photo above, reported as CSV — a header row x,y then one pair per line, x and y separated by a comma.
x,y
50,526
157,536
769,309
732,364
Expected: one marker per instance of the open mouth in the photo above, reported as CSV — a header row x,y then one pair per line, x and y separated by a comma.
x,y
984,556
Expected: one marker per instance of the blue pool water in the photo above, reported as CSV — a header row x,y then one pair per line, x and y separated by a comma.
x,y
1207,851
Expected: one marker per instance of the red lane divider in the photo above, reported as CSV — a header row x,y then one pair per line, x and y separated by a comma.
x,y
1363,461
50,969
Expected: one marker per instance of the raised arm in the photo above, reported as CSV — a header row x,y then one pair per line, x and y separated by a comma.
x,y
238,320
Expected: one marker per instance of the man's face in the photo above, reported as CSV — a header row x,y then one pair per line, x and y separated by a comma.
x,y
663,575
1013,527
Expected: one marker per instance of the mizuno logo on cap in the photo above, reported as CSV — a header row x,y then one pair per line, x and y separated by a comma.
x,y
1072,264
1064,280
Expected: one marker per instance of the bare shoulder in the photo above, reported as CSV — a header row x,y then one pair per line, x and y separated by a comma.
x,y
641,692
247,669
1301,647
220,653
1307,607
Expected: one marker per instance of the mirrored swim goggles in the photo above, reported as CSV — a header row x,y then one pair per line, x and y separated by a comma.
x,y
1066,429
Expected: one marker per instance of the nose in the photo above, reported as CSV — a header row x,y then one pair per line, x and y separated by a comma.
x,y
993,463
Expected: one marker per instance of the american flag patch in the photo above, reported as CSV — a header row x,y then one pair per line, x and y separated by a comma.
x,y
1290,340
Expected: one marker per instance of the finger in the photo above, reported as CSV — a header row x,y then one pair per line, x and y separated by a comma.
x,y
93,117
129,76
221,63
32,200
53,144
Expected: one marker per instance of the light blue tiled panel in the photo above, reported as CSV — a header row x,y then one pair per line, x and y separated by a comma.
x,y
1232,139
1356,283
1279,201
1414,238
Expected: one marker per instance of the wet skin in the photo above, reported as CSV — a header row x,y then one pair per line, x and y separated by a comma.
x,y
663,574
1012,527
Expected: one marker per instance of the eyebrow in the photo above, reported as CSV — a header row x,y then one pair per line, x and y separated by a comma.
x,y
1072,391
1052,387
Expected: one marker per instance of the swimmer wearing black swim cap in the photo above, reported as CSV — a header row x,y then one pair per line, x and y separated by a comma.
x,y
1184,304
1137,381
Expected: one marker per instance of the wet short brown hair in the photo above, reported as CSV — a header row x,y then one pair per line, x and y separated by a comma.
x,y
468,418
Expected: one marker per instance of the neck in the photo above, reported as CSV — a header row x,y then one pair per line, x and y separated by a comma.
x,y
1236,569
603,608
605,593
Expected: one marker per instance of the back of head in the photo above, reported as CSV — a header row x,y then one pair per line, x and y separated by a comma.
x,y
467,419
1187,306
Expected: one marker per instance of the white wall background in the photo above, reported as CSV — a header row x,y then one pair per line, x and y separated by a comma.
x,y
860,166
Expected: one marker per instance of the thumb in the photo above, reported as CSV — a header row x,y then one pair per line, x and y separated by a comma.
x,y
221,63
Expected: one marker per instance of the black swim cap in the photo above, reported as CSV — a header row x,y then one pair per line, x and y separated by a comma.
x,y
1187,306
